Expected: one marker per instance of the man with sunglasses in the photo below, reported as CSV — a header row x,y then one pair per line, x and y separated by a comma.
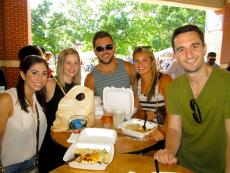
x,y
211,57
110,71
198,132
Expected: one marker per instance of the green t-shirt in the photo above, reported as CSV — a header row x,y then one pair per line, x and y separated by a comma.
x,y
203,145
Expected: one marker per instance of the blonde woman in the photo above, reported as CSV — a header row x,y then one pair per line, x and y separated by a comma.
x,y
149,88
68,75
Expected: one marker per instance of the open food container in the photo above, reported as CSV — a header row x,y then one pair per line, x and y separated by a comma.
x,y
121,98
133,127
93,150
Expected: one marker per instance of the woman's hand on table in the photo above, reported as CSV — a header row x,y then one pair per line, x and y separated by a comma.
x,y
165,157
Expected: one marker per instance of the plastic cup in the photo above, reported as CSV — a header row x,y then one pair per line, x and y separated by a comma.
x,y
118,117
107,117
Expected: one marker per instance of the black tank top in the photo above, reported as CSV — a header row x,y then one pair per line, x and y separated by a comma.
x,y
52,105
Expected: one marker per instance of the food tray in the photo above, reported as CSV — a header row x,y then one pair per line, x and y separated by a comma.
x,y
89,166
93,138
149,125
98,135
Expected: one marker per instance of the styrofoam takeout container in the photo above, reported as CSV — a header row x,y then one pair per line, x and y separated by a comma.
x,y
149,125
121,98
89,166
93,138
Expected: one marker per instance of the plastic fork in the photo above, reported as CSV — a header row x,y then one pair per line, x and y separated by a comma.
x,y
145,119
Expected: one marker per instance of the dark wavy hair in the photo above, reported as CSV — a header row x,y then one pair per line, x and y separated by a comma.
x,y
29,50
25,65
101,34
184,29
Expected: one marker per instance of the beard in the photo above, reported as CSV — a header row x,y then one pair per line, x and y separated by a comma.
x,y
106,62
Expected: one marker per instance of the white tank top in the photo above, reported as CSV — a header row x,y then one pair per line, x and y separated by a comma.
x,y
19,139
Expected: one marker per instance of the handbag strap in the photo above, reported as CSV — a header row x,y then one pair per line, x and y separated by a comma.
x,y
59,86
37,133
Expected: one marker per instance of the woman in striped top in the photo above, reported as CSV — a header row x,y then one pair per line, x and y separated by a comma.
x,y
149,88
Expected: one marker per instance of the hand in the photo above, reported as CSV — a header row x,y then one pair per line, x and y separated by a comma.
x,y
156,135
165,157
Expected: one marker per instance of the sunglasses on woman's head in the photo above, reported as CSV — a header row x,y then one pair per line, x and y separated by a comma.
x,y
103,48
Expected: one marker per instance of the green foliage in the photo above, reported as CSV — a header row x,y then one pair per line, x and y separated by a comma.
x,y
131,23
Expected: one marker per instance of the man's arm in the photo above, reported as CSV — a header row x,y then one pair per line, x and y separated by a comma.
x,y
172,142
89,82
227,126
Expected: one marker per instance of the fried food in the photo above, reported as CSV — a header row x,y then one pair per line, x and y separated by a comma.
x,y
136,128
88,155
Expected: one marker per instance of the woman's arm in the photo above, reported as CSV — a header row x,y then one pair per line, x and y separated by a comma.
x,y
6,109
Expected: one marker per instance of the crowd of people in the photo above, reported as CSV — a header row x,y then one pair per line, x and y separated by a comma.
x,y
184,105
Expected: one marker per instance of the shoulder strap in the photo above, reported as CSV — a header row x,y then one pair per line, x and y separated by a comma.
x,y
37,133
60,86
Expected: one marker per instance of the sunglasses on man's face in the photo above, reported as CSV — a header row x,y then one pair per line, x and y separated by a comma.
x,y
196,111
103,48
212,59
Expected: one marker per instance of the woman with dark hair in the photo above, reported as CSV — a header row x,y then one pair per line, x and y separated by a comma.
x,y
68,75
20,114
2,81
150,88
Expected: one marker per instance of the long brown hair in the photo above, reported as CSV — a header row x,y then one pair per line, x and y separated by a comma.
x,y
149,52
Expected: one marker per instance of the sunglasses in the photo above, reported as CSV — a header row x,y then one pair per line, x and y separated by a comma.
x,y
103,48
196,111
212,59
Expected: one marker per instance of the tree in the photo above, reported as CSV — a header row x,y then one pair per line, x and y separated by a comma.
x,y
130,23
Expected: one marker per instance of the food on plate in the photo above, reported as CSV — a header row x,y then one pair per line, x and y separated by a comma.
x,y
89,155
137,128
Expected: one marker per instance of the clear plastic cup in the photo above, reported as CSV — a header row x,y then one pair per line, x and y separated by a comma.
x,y
118,117
107,117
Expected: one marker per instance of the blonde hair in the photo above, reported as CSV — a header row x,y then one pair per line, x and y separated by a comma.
x,y
60,67
147,50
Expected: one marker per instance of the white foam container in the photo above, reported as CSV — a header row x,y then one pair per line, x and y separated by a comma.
x,y
149,125
121,98
93,138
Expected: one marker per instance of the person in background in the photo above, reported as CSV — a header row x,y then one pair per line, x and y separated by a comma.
x,y
48,56
199,117
175,69
228,68
150,87
110,71
68,75
2,81
29,50
19,109
211,58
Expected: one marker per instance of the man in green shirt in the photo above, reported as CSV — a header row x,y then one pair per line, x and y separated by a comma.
x,y
198,134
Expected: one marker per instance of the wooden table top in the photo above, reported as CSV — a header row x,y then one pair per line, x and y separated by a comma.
x,y
124,144
123,163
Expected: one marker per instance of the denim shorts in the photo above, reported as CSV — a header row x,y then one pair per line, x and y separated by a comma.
x,y
20,167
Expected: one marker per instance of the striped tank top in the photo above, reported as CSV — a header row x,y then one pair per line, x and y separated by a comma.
x,y
156,101
117,79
